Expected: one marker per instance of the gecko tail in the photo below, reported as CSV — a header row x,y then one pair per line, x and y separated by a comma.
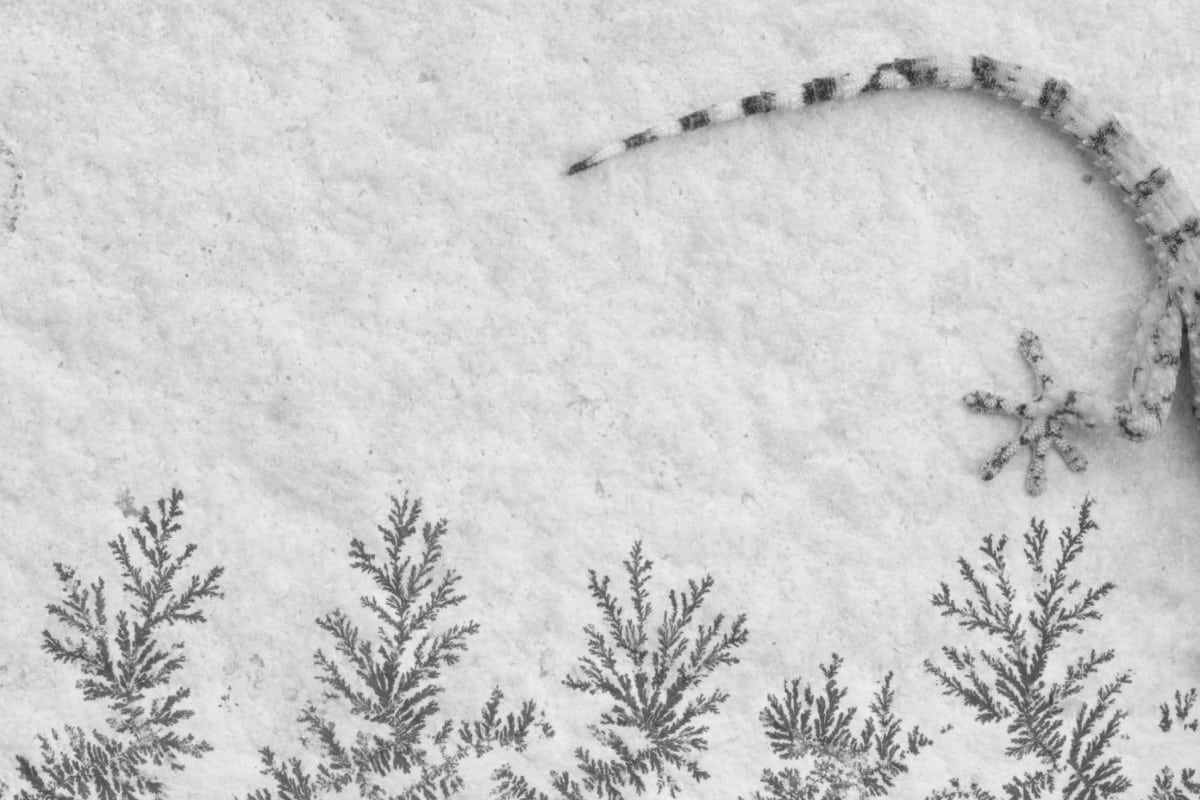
x,y
1093,127
1162,205
901,73
753,104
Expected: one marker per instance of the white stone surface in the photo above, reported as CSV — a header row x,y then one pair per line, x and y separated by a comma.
x,y
292,258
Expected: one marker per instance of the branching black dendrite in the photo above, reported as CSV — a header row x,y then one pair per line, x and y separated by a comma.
x,y
818,724
1182,713
652,676
290,779
513,730
1179,715
390,684
651,669
956,791
126,664
507,785
1165,787
1012,683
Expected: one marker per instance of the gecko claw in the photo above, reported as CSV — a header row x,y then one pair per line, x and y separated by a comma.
x,y
1042,422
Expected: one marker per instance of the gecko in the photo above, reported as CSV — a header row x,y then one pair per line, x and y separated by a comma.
x,y
1162,206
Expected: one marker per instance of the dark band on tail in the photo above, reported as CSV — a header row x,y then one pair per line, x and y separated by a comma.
x,y
760,103
694,121
639,139
985,70
1054,96
820,90
1175,239
1150,185
917,72
1101,142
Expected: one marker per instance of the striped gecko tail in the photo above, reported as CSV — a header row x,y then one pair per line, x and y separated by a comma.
x,y
902,73
748,106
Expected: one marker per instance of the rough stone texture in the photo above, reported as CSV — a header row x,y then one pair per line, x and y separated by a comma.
x,y
292,260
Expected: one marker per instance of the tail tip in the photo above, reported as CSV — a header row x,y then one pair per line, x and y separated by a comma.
x,y
579,166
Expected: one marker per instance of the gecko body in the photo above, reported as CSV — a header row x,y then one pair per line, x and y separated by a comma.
x,y
1161,205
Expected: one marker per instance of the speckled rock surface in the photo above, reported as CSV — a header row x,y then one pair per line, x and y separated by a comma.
x,y
293,260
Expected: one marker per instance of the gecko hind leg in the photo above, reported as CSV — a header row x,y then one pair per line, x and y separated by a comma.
x,y
1043,421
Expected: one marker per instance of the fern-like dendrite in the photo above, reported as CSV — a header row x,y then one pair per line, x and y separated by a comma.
x,y
651,674
1180,716
957,791
1182,713
1016,682
390,683
1167,788
126,664
493,729
806,722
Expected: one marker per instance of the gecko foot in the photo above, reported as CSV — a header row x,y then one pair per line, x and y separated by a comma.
x,y
1043,420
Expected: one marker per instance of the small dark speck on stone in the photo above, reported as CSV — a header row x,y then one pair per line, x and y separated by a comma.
x,y
1089,178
